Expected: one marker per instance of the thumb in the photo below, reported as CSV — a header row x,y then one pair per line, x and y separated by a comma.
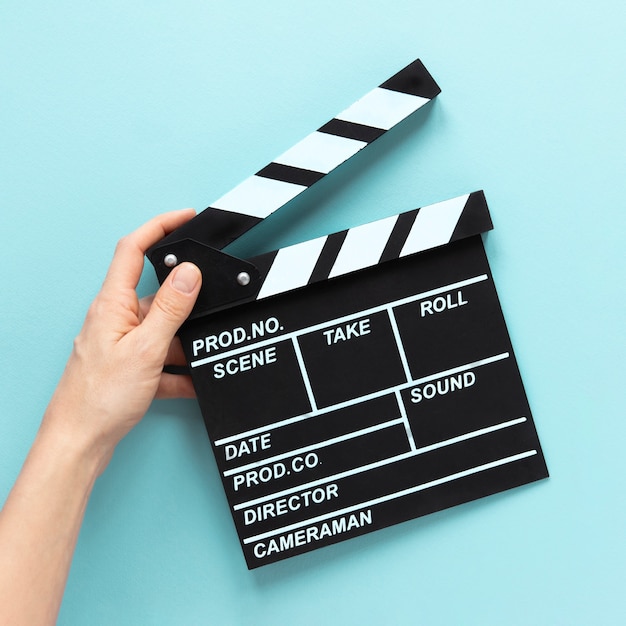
x,y
172,304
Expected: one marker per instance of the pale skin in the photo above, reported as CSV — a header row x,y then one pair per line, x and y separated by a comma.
x,y
114,372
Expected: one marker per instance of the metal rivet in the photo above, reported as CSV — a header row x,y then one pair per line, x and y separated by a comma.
x,y
170,260
243,278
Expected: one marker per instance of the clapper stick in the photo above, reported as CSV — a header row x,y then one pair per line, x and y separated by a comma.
x,y
312,158
356,380
371,244
300,167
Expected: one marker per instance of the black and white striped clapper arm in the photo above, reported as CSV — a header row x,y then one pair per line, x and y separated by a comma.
x,y
370,244
311,159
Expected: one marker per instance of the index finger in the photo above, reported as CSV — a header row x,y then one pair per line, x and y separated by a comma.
x,y
127,264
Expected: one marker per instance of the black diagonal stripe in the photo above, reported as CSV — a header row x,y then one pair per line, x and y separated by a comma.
x,y
328,256
290,174
474,219
415,80
350,130
398,236
214,227
263,262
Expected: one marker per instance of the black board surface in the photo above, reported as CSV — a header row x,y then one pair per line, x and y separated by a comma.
x,y
363,401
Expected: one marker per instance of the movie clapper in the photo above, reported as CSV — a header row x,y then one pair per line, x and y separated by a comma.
x,y
356,380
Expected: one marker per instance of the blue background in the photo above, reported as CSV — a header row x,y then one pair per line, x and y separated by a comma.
x,y
113,111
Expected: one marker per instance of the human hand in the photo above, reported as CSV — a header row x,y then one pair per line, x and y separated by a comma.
x,y
116,366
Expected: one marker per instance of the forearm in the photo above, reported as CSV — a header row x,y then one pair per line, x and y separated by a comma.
x,y
114,372
39,527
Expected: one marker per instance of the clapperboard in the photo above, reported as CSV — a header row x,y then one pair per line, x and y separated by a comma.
x,y
357,380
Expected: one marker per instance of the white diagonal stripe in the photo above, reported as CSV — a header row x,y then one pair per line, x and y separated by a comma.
x,y
292,267
382,108
434,225
258,196
363,246
320,152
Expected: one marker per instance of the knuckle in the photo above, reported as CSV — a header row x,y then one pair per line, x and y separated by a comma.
x,y
124,244
98,309
79,345
94,312
125,240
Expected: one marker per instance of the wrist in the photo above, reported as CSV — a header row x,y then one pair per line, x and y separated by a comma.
x,y
78,422
59,438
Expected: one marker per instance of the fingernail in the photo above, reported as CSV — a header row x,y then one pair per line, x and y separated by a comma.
x,y
186,277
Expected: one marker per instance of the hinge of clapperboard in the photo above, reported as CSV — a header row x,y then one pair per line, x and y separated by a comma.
x,y
229,281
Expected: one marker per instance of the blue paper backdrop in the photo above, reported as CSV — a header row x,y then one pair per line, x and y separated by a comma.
x,y
112,111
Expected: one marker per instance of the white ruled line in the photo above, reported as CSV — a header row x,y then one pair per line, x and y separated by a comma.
x,y
381,463
360,399
405,421
337,321
314,446
305,374
457,370
396,334
393,496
